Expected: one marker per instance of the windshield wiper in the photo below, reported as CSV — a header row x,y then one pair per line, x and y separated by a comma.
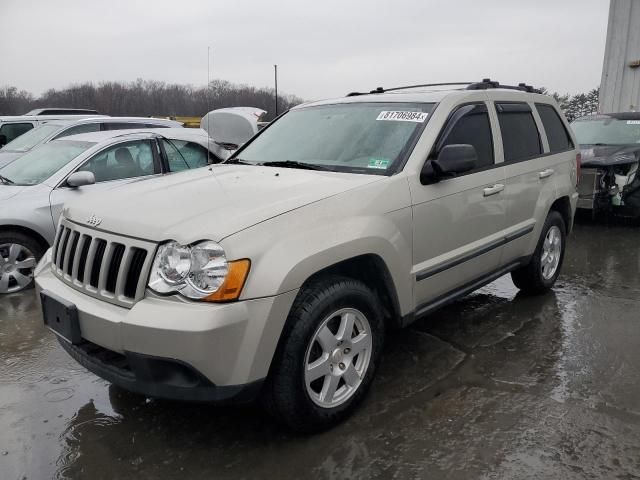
x,y
6,181
237,161
294,164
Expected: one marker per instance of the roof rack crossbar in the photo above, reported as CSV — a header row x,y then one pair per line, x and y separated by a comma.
x,y
485,84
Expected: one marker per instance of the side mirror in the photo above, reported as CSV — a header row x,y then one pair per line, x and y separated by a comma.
x,y
452,160
79,179
3,140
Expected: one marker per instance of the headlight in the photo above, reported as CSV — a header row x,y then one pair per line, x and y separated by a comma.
x,y
199,271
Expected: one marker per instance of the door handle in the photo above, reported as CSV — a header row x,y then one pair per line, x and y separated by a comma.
x,y
497,188
546,173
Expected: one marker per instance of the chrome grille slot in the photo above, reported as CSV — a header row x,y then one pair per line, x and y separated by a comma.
x,y
110,267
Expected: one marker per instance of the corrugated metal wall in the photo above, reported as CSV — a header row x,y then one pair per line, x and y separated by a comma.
x,y
620,84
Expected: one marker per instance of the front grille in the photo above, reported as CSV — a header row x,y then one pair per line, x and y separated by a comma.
x,y
588,187
100,264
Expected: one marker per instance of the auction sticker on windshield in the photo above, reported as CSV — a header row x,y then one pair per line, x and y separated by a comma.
x,y
417,117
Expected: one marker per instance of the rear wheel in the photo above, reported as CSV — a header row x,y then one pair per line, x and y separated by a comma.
x,y
19,255
327,356
544,267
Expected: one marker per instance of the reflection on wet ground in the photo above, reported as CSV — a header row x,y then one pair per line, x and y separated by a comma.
x,y
497,385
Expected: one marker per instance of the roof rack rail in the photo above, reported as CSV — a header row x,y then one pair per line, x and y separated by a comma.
x,y
383,90
485,84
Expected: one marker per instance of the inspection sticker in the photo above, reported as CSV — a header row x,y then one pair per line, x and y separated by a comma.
x,y
381,163
417,117
633,122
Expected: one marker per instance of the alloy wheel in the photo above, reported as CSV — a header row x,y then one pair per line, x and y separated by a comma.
x,y
17,263
551,251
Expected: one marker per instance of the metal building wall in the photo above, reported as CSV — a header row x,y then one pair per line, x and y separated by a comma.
x,y
620,84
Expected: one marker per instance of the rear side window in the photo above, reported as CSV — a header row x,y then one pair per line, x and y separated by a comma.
x,y
14,130
470,125
85,128
520,137
183,155
557,135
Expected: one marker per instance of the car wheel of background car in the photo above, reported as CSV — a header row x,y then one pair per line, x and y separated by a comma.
x,y
327,356
19,255
543,269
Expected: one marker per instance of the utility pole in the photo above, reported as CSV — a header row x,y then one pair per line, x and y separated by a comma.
x,y
275,70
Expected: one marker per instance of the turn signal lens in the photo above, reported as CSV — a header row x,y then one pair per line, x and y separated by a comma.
x,y
233,283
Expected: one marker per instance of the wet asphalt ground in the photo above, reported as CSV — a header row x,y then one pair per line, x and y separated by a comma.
x,y
495,386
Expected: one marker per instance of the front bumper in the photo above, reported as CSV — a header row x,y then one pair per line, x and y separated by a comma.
x,y
175,349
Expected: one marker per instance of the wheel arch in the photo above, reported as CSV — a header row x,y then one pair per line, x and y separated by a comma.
x,y
26,231
562,205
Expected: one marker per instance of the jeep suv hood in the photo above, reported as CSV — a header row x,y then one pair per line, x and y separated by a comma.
x,y
209,203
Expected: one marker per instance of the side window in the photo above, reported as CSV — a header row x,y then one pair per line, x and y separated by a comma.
x,y
470,125
123,160
557,135
14,130
520,137
85,128
183,155
153,125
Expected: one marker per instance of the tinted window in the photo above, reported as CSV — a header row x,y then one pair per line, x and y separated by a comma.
x,y
153,125
32,138
86,128
557,135
183,155
520,137
123,160
470,125
14,130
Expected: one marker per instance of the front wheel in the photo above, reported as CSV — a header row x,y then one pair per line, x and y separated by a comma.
x,y
543,269
19,254
327,356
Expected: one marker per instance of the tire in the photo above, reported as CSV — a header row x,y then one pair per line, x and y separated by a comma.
x,y
19,254
322,308
533,278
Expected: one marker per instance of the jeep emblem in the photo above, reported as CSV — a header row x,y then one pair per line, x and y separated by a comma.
x,y
94,221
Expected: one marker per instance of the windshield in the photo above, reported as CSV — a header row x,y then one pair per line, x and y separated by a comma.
x,y
40,163
353,137
32,138
606,131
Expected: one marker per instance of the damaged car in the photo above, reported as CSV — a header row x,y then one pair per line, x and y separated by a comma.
x,y
610,149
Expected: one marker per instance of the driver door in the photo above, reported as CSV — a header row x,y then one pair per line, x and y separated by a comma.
x,y
459,221
116,165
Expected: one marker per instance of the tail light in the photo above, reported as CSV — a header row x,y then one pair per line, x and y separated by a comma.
x,y
578,166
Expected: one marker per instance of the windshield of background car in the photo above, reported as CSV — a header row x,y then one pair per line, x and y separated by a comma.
x,y
350,137
27,141
606,131
40,163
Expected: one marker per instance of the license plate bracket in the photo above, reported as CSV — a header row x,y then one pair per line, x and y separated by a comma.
x,y
61,317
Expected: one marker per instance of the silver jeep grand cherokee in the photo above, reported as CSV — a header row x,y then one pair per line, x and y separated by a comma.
x,y
276,274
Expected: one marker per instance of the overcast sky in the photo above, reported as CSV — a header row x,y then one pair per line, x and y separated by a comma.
x,y
323,48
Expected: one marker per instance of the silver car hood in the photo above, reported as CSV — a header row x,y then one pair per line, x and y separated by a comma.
x,y
209,203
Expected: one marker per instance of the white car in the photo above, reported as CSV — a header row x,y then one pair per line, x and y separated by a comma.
x,y
11,127
55,129
35,186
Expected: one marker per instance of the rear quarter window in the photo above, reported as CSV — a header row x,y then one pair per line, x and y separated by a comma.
x,y
557,135
520,136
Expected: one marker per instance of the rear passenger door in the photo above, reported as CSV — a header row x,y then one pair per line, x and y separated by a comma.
x,y
529,177
459,222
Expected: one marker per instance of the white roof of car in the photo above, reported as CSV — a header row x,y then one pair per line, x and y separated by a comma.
x,y
92,119
30,118
194,134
